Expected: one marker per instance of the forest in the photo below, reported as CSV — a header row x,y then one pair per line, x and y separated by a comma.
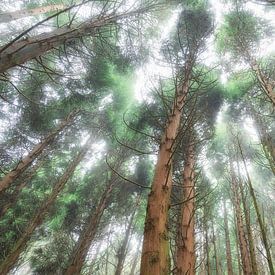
x,y
137,137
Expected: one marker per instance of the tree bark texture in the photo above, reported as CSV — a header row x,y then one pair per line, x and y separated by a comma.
x,y
185,250
246,265
249,232
155,251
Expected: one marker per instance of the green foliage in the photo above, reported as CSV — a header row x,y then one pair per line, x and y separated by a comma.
x,y
241,33
238,85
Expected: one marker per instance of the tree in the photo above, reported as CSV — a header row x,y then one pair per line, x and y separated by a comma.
x,y
10,16
155,258
20,51
20,245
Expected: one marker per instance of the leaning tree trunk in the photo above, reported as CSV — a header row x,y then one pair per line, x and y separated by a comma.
x,y
155,250
21,51
10,16
227,241
258,214
185,249
25,162
246,265
12,198
88,234
37,220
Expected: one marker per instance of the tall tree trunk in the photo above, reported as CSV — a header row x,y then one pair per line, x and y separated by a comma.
x,y
215,249
258,214
10,16
227,241
208,266
185,250
246,265
155,251
88,234
37,220
23,50
122,252
249,232
238,248
12,198
25,162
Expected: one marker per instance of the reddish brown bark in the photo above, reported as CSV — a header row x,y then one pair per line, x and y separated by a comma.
x,y
10,16
249,231
215,250
23,50
155,251
88,234
227,241
10,177
37,220
185,250
246,265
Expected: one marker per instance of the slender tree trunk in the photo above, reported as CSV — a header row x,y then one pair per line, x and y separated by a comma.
x,y
249,232
37,220
25,162
185,250
246,265
122,252
208,266
155,251
227,241
238,248
88,234
12,199
215,249
10,16
23,50
258,214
